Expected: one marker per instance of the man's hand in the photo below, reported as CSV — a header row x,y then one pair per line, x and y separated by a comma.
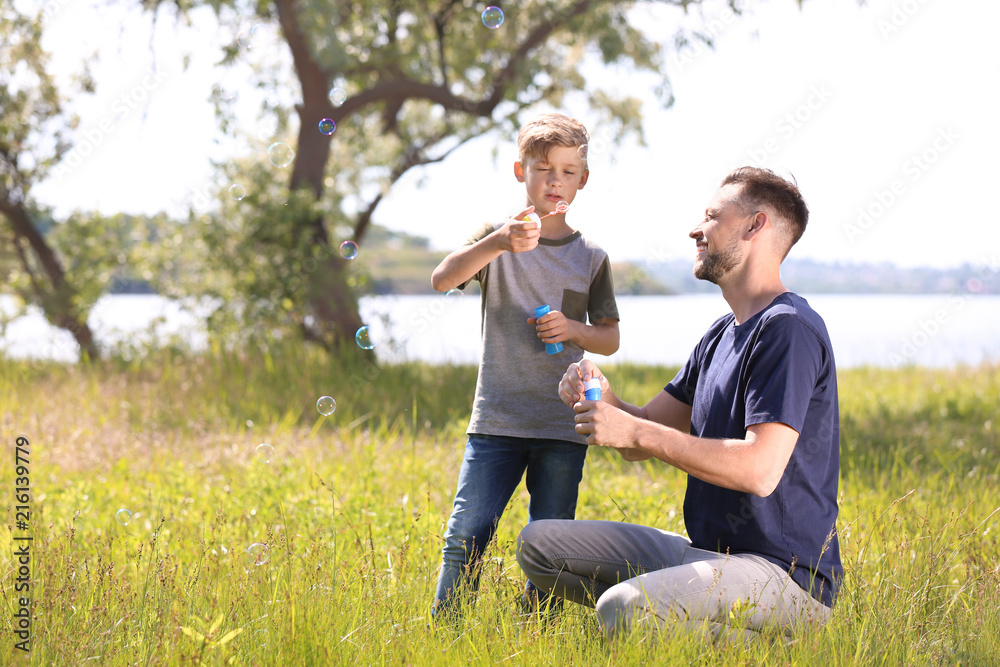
x,y
571,385
607,426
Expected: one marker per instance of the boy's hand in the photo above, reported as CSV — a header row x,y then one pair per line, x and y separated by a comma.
x,y
571,386
519,235
553,327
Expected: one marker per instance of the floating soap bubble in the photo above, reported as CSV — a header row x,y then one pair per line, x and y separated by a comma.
x,y
257,553
237,192
492,17
280,154
326,405
246,38
327,126
349,249
454,291
123,516
582,151
338,96
272,99
265,452
363,338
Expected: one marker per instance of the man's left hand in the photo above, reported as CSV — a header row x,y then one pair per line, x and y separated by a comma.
x,y
607,426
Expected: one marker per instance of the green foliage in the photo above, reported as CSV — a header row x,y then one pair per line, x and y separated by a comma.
x,y
34,127
421,80
352,509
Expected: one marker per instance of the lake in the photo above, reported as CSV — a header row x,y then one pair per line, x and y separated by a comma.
x,y
888,330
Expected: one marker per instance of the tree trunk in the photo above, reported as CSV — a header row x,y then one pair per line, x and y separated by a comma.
x,y
331,299
55,298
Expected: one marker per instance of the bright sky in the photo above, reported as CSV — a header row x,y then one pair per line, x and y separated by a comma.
x,y
885,114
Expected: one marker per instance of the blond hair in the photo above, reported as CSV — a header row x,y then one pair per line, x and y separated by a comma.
x,y
542,134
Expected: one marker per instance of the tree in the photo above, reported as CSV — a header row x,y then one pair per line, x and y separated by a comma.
x,y
419,80
33,138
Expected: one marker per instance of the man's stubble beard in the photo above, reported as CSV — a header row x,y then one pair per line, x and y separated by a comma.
x,y
717,264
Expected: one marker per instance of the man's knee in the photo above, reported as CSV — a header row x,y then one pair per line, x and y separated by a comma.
x,y
528,556
618,607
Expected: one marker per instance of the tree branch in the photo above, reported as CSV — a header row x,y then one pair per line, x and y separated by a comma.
x,y
534,39
414,157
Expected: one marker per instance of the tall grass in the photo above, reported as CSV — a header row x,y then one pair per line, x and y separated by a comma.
x,y
352,509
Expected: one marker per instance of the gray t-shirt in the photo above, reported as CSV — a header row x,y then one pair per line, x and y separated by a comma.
x,y
517,390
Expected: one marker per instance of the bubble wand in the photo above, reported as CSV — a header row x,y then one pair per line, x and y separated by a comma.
x,y
561,207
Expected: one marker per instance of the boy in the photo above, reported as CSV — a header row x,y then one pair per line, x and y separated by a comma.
x,y
518,421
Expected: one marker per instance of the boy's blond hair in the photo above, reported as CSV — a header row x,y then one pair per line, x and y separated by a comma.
x,y
542,134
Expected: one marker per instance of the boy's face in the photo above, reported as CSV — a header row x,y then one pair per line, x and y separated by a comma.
x,y
552,179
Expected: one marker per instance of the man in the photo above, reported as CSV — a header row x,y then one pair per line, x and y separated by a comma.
x,y
752,417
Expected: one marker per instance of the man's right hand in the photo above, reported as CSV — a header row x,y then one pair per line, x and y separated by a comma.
x,y
571,386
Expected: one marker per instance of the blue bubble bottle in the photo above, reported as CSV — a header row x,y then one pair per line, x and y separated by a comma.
x,y
550,348
592,389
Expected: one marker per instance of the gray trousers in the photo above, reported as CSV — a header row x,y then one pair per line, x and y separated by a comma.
x,y
636,575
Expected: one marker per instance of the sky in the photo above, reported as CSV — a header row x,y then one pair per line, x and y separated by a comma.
x,y
885,115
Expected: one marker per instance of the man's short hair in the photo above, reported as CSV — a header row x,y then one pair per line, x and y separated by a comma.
x,y
542,134
762,188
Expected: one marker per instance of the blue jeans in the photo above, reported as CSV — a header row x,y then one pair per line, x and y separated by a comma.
x,y
491,470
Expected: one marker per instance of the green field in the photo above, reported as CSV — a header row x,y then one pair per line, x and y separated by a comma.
x,y
352,507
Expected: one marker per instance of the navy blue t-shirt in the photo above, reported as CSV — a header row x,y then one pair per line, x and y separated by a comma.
x,y
777,366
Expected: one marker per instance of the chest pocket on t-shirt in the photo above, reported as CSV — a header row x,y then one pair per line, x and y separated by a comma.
x,y
574,305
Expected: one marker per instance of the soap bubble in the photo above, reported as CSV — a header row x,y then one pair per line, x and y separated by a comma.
x,y
257,553
492,17
326,405
265,452
280,154
237,192
327,126
454,291
582,152
562,207
248,37
349,249
338,96
364,339
123,516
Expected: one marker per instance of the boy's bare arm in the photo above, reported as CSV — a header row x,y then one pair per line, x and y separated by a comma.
x,y
601,337
460,266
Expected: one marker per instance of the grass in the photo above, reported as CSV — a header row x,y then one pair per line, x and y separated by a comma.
x,y
352,508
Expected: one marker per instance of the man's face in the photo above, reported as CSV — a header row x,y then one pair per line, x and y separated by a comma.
x,y
717,237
